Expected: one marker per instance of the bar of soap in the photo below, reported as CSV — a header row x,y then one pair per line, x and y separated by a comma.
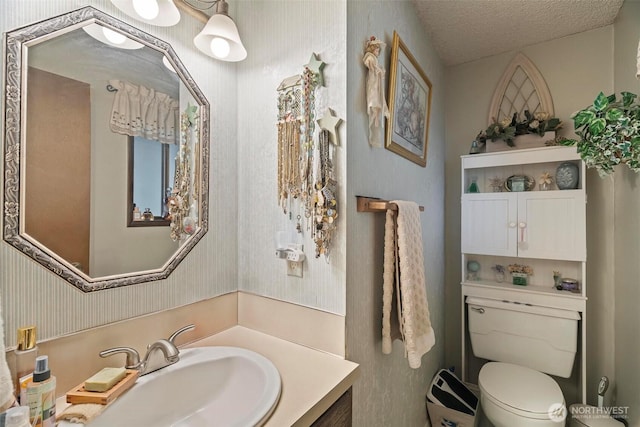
x,y
105,379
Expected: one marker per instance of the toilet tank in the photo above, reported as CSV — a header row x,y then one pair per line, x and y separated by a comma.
x,y
541,338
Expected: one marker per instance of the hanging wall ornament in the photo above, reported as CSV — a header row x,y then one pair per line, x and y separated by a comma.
x,y
180,201
296,129
316,66
310,82
330,123
325,198
290,114
376,102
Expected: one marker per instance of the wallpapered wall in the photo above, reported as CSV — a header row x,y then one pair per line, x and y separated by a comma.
x,y
32,295
287,32
388,392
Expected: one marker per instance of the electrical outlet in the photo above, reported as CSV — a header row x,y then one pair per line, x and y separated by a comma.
x,y
295,255
294,268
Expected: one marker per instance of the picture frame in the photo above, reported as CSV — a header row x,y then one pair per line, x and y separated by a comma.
x,y
409,105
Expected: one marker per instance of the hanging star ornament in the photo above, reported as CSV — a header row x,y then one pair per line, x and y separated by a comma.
x,y
316,66
330,123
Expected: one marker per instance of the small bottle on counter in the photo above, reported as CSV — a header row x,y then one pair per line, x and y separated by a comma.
x,y
25,354
41,395
137,215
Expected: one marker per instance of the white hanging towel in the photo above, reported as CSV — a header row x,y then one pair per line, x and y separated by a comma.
x,y
404,276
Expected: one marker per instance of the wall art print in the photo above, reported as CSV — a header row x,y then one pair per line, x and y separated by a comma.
x,y
409,105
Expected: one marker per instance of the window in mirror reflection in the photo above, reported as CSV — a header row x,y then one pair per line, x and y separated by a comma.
x,y
151,177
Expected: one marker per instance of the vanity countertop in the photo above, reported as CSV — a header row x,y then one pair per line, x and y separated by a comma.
x,y
312,380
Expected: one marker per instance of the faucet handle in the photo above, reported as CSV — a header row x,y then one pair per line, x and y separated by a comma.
x,y
133,357
172,338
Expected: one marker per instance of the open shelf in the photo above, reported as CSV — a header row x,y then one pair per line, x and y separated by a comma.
x,y
534,295
520,157
525,289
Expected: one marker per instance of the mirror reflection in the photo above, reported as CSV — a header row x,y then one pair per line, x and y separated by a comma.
x,y
152,172
111,130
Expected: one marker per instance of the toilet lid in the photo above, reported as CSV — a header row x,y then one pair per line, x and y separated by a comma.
x,y
520,388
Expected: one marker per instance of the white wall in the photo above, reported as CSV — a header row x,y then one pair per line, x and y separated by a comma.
x,y
574,75
627,231
281,36
388,392
32,295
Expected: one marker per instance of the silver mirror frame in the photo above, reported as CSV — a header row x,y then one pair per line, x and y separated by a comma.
x,y
16,42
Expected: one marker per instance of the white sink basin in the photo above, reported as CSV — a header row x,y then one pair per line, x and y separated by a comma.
x,y
209,386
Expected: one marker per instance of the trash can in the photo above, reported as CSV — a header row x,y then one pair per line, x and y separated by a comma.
x,y
450,403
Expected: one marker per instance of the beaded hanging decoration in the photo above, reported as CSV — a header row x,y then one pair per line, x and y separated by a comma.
x,y
296,125
296,157
324,199
180,200
310,82
290,104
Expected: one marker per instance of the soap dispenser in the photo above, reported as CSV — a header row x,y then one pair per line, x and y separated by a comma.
x,y
41,395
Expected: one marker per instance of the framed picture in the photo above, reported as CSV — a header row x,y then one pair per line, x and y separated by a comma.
x,y
409,105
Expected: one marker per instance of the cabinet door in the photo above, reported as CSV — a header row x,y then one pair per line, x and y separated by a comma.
x,y
489,224
552,225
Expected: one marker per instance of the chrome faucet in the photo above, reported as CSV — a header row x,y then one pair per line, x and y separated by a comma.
x,y
150,363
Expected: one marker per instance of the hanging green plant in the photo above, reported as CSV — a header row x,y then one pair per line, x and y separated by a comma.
x,y
609,132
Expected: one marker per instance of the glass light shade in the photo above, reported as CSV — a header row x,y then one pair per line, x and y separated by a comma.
x,y
167,64
113,37
148,9
223,27
99,32
167,15
220,47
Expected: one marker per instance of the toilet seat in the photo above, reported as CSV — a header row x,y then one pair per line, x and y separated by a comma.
x,y
519,390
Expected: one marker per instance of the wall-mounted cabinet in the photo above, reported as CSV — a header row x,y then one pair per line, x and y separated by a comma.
x,y
543,229
531,224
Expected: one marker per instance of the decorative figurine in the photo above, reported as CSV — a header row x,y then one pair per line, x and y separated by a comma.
x,y
496,184
545,181
376,102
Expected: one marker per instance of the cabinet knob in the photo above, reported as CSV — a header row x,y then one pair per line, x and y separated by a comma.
x,y
512,224
522,224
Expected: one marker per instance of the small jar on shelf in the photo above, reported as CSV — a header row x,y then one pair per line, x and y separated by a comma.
x,y
545,182
520,274
473,187
496,184
498,270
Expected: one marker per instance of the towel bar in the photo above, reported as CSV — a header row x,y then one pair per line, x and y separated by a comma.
x,y
372,204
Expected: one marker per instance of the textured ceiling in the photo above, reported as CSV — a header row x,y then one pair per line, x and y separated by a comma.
x,y
466,30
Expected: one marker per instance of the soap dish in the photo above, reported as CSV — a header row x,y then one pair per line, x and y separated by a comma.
x,y
80,395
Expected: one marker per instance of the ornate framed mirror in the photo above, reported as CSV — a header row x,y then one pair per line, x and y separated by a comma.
x,y
77,87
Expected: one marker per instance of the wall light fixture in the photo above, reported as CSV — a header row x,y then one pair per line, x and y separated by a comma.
x,y
219,38
111,37
163,13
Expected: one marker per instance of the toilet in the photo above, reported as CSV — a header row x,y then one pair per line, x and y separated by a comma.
x,y
524,344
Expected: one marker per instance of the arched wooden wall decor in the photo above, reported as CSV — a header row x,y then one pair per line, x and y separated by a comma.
x,y
521,88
